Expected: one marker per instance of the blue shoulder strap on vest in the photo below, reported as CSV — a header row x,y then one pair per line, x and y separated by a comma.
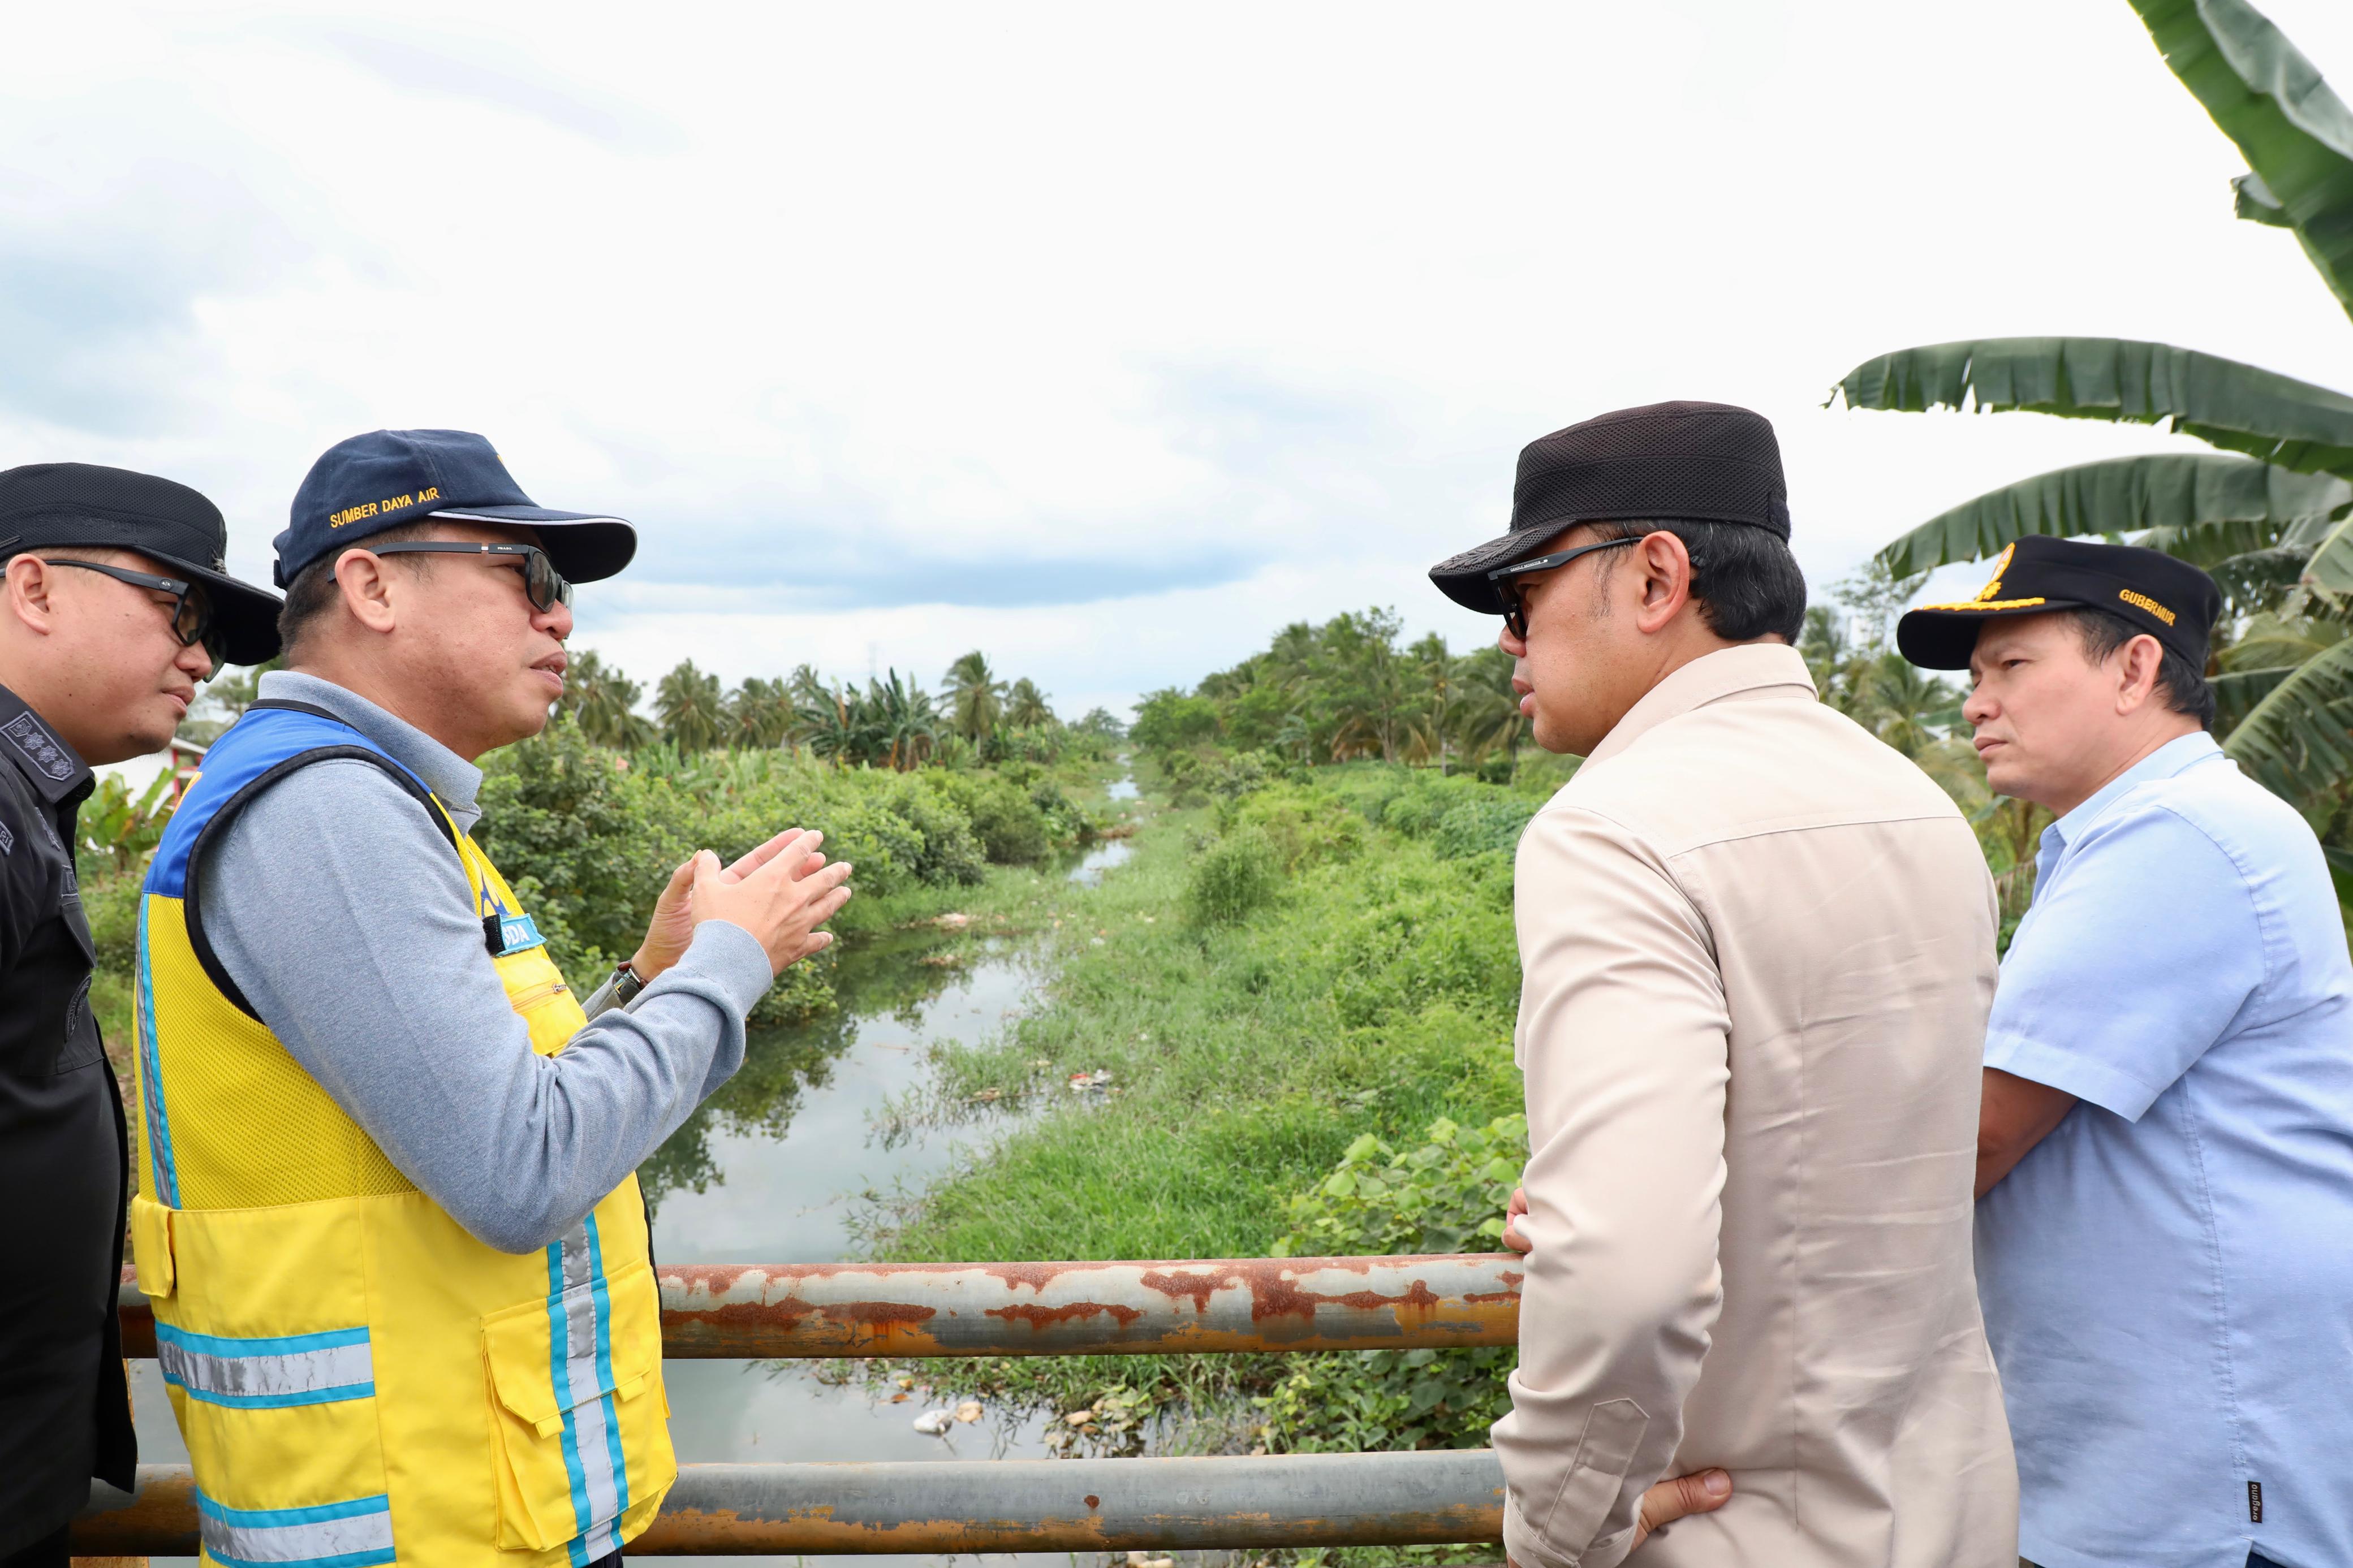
x,y
271,740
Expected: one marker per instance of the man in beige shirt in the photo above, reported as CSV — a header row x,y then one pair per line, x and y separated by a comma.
x,y
1757,952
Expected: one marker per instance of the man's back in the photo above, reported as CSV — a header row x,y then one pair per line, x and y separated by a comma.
x,y
1742,882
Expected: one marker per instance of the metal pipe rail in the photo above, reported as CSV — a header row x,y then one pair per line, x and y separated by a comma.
x,y
1010,1504
917,1309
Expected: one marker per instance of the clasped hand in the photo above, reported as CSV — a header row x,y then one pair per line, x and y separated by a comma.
x,y
781,892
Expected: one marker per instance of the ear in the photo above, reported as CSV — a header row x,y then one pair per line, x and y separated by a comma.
x,y
368,591
2137,667
31,594
1665,573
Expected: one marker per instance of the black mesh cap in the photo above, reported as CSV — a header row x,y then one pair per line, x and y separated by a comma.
x,y
1667,462
82,505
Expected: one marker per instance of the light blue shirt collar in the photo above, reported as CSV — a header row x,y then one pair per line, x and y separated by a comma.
x,y
449,776
2176,755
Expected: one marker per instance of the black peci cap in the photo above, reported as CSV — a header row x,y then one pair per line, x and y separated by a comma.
x,y
80,505
1668,462
2169,599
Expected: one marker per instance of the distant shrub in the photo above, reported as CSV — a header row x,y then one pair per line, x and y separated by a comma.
x,y
1011,829
1476,827
1235,875
1303,827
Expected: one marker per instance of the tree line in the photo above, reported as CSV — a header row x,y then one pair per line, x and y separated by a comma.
x,y
891,721
1344,690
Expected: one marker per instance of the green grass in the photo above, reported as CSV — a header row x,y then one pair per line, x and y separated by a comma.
x,y
1246,1057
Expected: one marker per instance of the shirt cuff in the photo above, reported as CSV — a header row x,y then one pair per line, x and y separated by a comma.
x,y
2097,1082
1525,1546
729,957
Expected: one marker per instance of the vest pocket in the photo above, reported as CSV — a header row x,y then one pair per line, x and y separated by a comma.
x,y
575,1389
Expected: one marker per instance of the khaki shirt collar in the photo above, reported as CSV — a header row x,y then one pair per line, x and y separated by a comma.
x,y
1750,667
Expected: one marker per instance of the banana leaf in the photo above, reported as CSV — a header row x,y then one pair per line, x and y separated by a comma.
x,y
2209,507
2294,133
2297,742
2238,407
2252,200
2236,694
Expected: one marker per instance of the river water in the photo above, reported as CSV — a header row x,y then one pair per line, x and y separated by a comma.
x,y
776,1169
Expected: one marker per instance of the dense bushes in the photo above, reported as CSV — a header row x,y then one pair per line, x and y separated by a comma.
x,y
1445,1196
588,836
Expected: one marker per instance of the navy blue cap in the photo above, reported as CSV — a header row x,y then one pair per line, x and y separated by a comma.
x,y
389,479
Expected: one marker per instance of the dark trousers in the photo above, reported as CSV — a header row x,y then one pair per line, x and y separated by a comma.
x,y
49,1551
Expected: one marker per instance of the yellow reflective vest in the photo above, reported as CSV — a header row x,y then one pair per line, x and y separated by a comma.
x,y
359,1380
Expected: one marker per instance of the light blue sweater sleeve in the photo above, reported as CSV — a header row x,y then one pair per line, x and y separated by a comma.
x,y
342,914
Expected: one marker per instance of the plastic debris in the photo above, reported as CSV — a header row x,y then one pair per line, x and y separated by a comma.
x,y
969,1412
954,920
1092,1082
934,1423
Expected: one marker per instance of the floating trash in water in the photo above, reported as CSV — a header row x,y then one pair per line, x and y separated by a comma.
x,y
934,1423
1079,1417
969,1412
1090,1082
953,920
988,1097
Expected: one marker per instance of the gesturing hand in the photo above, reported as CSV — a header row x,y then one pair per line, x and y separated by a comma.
x,y
781,902
672,926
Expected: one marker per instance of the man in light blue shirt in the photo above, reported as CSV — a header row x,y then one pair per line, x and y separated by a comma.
x,y
2165,1224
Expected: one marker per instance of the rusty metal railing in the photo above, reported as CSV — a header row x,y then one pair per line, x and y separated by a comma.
x,y
917,1309
1003,1505
786,1310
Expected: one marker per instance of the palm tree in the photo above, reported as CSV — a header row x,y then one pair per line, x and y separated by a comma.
x,y
602,701
693,716
1025,706
760,714
2267,512
976,697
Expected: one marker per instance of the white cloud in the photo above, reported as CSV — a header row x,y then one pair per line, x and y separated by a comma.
x,y
1105,339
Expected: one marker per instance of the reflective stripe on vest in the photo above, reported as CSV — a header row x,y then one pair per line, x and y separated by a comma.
x,y
355,1534
264,1373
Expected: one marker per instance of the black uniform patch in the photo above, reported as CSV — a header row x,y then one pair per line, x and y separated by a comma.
x,y
44,753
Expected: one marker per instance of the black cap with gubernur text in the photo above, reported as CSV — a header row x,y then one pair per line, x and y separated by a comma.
x,y
2169,598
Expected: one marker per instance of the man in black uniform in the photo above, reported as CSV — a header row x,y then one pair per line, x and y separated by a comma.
x,y
113,606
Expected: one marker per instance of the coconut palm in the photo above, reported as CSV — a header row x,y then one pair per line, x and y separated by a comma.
x,y
1025,706
693,716
604,702
759,713
2266,513
975,698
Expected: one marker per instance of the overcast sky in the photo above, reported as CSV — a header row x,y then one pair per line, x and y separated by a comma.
x,y
1107,339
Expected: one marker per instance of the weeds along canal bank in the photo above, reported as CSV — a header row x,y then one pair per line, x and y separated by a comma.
x,y
1282,1027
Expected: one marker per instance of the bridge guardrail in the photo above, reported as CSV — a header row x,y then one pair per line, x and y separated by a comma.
x,y
927,1309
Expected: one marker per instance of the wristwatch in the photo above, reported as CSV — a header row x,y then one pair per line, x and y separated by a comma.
x,y
625,985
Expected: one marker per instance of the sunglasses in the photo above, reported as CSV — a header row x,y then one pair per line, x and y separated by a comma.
x,y
191,610
1505,578
541,583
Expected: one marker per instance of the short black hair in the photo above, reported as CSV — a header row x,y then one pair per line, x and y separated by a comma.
x,y
1747,583
2184,686
312,593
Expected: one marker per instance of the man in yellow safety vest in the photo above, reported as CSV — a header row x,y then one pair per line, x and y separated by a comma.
x,y
403,1286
